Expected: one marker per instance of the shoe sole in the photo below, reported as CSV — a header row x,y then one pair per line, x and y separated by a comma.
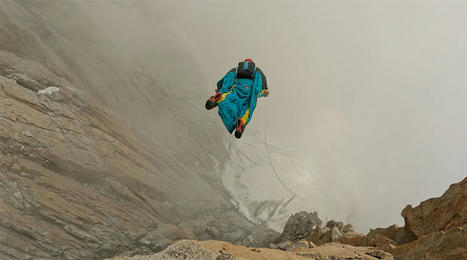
x,y
239,129
210,104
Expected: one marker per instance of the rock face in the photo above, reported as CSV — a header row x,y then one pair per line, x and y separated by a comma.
x,y
332,223
400,235
433,230
439,226
449,244
353,238
76,183
449,210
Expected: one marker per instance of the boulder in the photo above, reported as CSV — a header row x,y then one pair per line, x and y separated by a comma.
x,y
298,244
399,235
273,246
380,241
347,228
335,234
315,236
332,223
284,244
300,225
326,237
353,238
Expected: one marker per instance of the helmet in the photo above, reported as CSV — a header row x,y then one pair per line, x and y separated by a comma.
x,y
248,60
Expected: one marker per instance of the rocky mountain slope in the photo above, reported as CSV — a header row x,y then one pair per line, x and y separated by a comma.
x,y
433,230
75,181
136,67
104,148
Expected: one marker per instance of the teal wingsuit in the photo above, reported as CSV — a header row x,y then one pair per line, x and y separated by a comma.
x,y
239,97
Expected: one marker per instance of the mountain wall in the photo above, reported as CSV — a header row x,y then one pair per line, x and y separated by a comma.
x,y
105,147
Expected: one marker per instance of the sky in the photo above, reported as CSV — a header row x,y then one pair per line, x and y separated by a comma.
x,y
373,94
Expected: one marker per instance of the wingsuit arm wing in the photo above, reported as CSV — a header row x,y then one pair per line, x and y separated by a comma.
x,y
263,79
264,83
220,83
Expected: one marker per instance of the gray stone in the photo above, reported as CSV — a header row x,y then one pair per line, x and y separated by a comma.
x,y
326,237
298,244
347,228
335,234
283,245
186,249
332,223
300,225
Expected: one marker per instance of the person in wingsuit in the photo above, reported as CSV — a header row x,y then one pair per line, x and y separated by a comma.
x,y
236,95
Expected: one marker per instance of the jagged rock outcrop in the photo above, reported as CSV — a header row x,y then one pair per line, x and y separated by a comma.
x,y
332,223
299,226
433,230
446,244
76,183
400,235
438,225
449,210
307,226
217,250
353,238
299,244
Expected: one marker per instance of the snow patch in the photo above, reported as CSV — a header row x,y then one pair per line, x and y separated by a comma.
x,y
48,91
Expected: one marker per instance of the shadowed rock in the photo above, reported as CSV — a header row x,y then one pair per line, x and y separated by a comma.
x,y
300,225
332,223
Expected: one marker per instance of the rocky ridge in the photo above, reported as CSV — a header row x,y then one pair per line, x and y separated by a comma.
x,y
433,230
218,250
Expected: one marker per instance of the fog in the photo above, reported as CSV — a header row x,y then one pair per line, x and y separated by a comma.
x,y
372,93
